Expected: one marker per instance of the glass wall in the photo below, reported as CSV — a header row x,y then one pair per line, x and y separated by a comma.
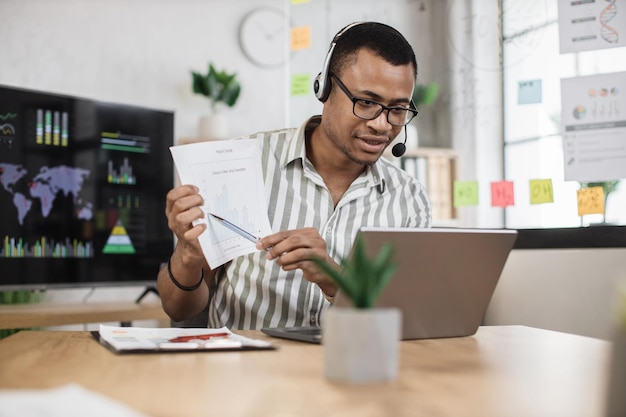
x,y
533,68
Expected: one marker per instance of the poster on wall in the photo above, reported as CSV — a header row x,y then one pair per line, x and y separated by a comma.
x,y
593,122
586,25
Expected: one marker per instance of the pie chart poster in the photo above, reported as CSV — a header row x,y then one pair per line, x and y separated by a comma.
x,y
593,121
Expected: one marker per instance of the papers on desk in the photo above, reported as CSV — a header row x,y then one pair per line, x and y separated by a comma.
x,y
71,400
140,339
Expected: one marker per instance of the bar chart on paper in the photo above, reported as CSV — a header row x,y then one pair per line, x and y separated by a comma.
x,y
238,214
228,190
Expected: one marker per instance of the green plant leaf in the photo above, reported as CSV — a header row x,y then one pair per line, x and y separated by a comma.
x,y
199,84
231,94
425,94
360,277
337,276
217,86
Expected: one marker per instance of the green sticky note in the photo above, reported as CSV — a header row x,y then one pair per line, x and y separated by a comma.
x,y
541,191
300,84
465,193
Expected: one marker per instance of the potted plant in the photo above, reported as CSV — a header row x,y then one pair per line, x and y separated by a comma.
x,y
18,297
222,89
361,343
424,95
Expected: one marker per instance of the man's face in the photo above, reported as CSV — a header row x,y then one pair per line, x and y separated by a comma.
x,y
372,78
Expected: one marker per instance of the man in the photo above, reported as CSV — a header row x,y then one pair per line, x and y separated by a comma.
x,y
324,181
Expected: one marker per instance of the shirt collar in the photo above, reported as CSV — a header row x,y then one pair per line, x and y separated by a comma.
x,y
297,145
297,151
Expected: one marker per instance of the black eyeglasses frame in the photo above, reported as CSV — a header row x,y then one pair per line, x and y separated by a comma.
x,y
411,109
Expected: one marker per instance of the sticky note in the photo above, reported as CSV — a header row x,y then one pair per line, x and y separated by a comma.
x,y
590,200
300,84
465,193
502,194
541,191
300,38
299,1
529,92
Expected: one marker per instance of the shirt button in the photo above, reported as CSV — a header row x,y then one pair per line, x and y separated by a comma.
x,y
313,321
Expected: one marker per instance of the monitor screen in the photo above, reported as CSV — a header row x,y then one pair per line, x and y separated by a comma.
x,y
82,191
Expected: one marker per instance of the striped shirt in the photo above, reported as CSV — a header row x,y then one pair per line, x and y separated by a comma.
x,y
252,292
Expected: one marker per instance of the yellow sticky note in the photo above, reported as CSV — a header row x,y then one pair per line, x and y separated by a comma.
x,y
465,193
590,200
300,84
541,191
300,38
299,1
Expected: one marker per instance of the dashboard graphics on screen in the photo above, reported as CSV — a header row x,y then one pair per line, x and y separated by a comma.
x,y
82,190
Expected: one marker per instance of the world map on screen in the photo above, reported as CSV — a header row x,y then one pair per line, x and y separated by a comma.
x,y
45,185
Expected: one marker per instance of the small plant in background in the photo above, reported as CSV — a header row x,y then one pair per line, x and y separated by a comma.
x,y
18,297
425,94
361,278
217,86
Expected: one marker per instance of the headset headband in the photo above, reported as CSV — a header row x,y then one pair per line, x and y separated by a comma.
x,y
321,85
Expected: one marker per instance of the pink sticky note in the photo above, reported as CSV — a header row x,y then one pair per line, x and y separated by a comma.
x,y
502,194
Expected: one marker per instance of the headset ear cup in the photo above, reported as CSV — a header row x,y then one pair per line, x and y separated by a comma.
x,y
321,86
318,87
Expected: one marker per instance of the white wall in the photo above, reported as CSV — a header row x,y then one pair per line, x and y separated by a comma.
x,y
569,290
139,52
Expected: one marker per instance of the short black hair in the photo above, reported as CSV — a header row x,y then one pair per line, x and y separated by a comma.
x,y
380,38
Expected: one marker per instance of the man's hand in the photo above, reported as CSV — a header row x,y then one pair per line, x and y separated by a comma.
x,y
183,206
295,249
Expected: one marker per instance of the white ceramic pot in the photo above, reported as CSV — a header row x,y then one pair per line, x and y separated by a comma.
x,y
213,127
361,345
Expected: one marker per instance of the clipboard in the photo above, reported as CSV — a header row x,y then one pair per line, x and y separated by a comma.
x,y
121,340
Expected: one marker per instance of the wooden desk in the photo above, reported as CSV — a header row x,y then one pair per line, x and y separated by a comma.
x,y
18,316
502,371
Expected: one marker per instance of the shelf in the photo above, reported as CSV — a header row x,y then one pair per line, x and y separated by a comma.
x,y
435,168
18,316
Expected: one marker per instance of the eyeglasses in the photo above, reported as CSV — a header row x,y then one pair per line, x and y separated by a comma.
x,y
369,110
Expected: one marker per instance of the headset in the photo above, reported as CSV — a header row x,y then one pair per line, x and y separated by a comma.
x,y
321,84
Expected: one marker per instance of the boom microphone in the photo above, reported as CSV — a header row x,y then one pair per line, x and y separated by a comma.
x,y
399,148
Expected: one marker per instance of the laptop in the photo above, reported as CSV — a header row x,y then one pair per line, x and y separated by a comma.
x,y
443,284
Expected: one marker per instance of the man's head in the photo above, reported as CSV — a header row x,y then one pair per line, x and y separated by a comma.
x,y
366,87
379,38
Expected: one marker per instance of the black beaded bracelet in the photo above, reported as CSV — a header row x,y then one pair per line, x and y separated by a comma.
x,y
178,284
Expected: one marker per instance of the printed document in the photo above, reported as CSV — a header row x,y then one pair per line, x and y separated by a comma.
x,y
174,339
228,174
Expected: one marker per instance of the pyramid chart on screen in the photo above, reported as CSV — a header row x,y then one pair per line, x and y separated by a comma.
x,y
119,242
